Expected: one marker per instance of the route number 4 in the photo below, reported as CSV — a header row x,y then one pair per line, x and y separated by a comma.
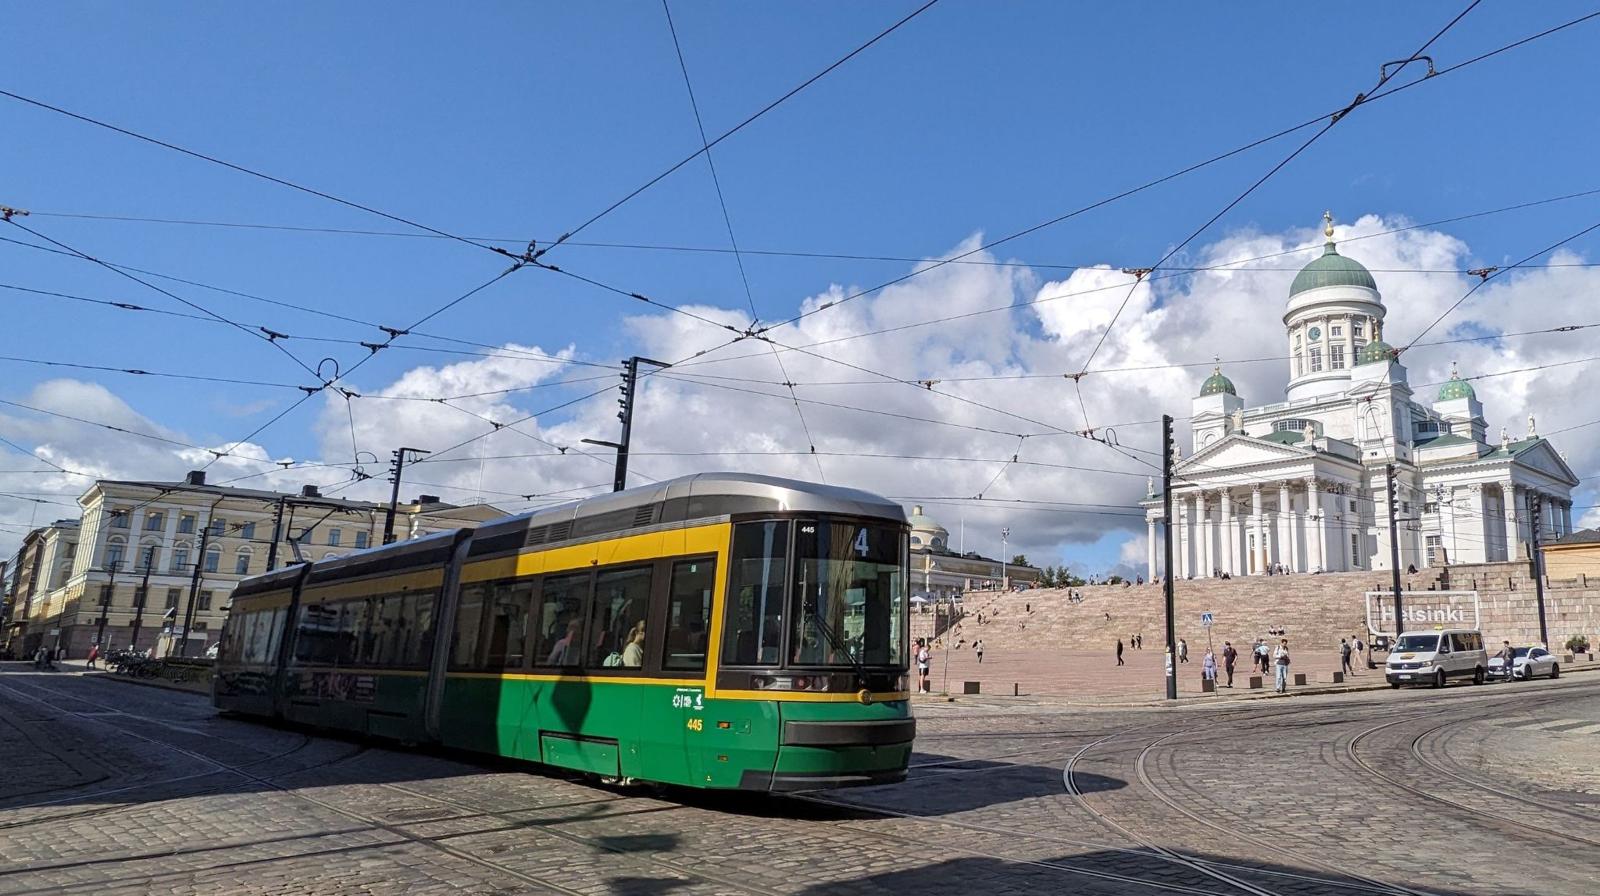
x,y
861,542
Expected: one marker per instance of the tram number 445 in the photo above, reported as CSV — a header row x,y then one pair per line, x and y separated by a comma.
x,y
696,725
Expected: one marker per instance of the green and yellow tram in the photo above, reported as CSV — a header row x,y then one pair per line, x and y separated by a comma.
x,y
717,630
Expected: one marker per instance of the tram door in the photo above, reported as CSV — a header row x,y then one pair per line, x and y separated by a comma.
x,y
685,622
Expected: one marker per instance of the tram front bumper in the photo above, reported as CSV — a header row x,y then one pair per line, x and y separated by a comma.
x,y
818,754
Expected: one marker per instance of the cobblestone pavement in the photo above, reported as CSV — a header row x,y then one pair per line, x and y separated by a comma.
x,y
111,788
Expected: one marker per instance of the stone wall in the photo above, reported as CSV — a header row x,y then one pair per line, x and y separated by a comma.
x,y
1314,610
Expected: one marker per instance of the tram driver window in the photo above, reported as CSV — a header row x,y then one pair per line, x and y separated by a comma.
x,y
755,594
616,629
689,615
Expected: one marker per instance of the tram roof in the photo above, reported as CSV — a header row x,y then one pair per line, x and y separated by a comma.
x,y
700,496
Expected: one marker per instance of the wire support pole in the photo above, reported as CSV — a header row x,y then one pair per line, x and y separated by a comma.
x,y
394,493
194,582
630,388
1536,553
1394,552
106,597
1166,548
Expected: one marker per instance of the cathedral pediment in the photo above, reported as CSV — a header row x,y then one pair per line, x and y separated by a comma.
x,y
1237,450
1539,455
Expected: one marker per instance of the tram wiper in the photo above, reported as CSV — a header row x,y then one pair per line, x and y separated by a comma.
x,y
838,646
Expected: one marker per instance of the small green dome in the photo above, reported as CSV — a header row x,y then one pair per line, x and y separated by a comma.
x,y
1217,384
1456,387
1375,351
1332,269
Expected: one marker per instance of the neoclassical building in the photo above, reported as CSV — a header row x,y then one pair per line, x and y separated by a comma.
x,y
938,572
1303,482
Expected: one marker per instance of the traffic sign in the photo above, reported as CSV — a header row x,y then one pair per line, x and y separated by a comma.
x,y
1206,619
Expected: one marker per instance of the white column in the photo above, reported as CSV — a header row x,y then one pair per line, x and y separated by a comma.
x,y
1184,542
1203,524
1513,521
1283,528
1316,531
1230,554
1259,554
1566,517
1150,539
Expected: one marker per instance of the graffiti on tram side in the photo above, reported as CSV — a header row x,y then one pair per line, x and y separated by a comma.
x,y
338,686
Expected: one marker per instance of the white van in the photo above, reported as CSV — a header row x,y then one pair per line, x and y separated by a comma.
x,y
1437,656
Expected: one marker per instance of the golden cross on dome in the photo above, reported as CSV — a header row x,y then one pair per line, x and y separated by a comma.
x,y
1327,224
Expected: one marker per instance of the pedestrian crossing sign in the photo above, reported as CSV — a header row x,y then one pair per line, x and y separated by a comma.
x,y
1206,619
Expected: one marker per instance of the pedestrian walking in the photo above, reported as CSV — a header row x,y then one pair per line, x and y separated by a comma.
x,y
1508,660
1280,658
1262,657
1183,651
94,657
1140,644
1362,656
1344,656
924,664
978,646
1208,666
1229,657
1119,653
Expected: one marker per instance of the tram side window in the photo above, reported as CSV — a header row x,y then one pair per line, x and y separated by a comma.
x,y
560,620
258,631
316,638
469,617
510,609
689,615
275,633
385,636
755,594
616,625
352,628
419,637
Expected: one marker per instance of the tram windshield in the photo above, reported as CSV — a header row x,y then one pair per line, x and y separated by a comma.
x,y
849,595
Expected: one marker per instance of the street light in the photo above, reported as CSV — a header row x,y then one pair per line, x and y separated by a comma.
x,y
1005,532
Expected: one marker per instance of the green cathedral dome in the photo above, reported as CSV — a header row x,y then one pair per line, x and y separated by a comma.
x,y
1375,351
1217,384
1332,269
1456,387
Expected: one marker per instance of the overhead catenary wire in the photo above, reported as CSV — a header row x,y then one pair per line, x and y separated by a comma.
x,y
708,144
1384,77
733,241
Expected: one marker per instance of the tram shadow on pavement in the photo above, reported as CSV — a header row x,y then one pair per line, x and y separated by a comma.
x,y
1106,872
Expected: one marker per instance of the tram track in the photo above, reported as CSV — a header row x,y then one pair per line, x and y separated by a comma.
x,y
1477,812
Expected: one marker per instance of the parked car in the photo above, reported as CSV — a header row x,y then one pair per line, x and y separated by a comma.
x,y
1529,662
1435,657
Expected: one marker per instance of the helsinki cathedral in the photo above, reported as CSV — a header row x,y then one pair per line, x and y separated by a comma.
x,y
1303,483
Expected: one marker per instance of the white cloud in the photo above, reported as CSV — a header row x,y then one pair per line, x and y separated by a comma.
x,y
1233,314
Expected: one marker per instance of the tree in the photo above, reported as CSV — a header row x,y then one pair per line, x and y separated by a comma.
x,y
1020,560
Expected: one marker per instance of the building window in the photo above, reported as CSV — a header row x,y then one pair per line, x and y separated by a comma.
x,y
1435,549
1336,357
1430,507
172,598
138,598
119,519
1355,549
1405,508
213,560
154,520
114,555
217,525
248,530
180,559
361,538
1358,329
334,537
186,524
105,595
147,558
1352,505
1316,360
200,626
241,564
1299,364
1337,330
205,600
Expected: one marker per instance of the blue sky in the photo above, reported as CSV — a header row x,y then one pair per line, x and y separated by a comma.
x,y
522,120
